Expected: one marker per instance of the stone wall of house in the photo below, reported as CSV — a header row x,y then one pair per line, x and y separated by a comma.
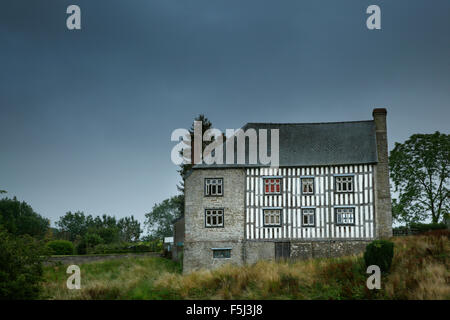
x,y
199,255
302,250
199,240
326,249
258,250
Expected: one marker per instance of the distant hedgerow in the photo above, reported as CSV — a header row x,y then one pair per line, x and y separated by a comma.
x,y
60,247
424,227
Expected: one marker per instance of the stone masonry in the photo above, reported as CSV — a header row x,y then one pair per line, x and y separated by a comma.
x,y
383,206
198,239
326,249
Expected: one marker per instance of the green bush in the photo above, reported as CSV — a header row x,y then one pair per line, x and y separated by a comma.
x,y
125,247
92,239
105,248
380,253
60,247
21,269
400,230
424,227
81,247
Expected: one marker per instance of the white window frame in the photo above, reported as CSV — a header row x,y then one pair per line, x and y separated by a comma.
x,y
304,179
348,218
274,215
308,213
347,180
214,214
213,183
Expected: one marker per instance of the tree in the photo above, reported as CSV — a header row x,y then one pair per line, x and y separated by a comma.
x,y
159,221
419,169
106,227
129,229
78,227
206,124
74,224
185,168
18,218
20,266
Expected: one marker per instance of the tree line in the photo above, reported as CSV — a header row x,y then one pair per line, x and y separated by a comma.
x,y
100,229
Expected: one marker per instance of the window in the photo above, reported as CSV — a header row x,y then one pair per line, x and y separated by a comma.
x,y
307,185
344,184
213,218
213,187
272,217
219,253
345,216
272,186
308,217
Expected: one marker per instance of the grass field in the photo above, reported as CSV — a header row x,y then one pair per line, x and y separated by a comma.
x,y
128,278
420,270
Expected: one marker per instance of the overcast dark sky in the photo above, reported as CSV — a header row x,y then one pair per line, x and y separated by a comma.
x,y
86,116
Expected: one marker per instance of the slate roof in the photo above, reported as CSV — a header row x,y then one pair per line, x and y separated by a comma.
x,y
308,144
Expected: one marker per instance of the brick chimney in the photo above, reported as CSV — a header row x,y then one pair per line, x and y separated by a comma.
x,y
383,206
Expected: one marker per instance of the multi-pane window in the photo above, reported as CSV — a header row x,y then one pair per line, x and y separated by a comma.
x,y
214,218
307,185
344,184
272,217
213,187
345,216
221,253
309,217
272,185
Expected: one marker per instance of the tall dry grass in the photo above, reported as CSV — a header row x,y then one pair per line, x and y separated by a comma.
x,y
421,267
339,278
263,280
128,278
420,270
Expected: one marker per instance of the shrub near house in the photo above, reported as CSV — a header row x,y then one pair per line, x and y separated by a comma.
x,y
379,253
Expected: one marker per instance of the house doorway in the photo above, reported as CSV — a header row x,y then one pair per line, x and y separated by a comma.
x,y
282,250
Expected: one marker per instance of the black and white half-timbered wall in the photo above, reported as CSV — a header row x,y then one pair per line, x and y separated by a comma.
x,y
328,197
329,202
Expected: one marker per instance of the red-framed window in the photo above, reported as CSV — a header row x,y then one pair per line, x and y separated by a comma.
x,y
272,185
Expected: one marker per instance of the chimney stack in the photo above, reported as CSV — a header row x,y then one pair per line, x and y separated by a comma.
x,y
383,206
